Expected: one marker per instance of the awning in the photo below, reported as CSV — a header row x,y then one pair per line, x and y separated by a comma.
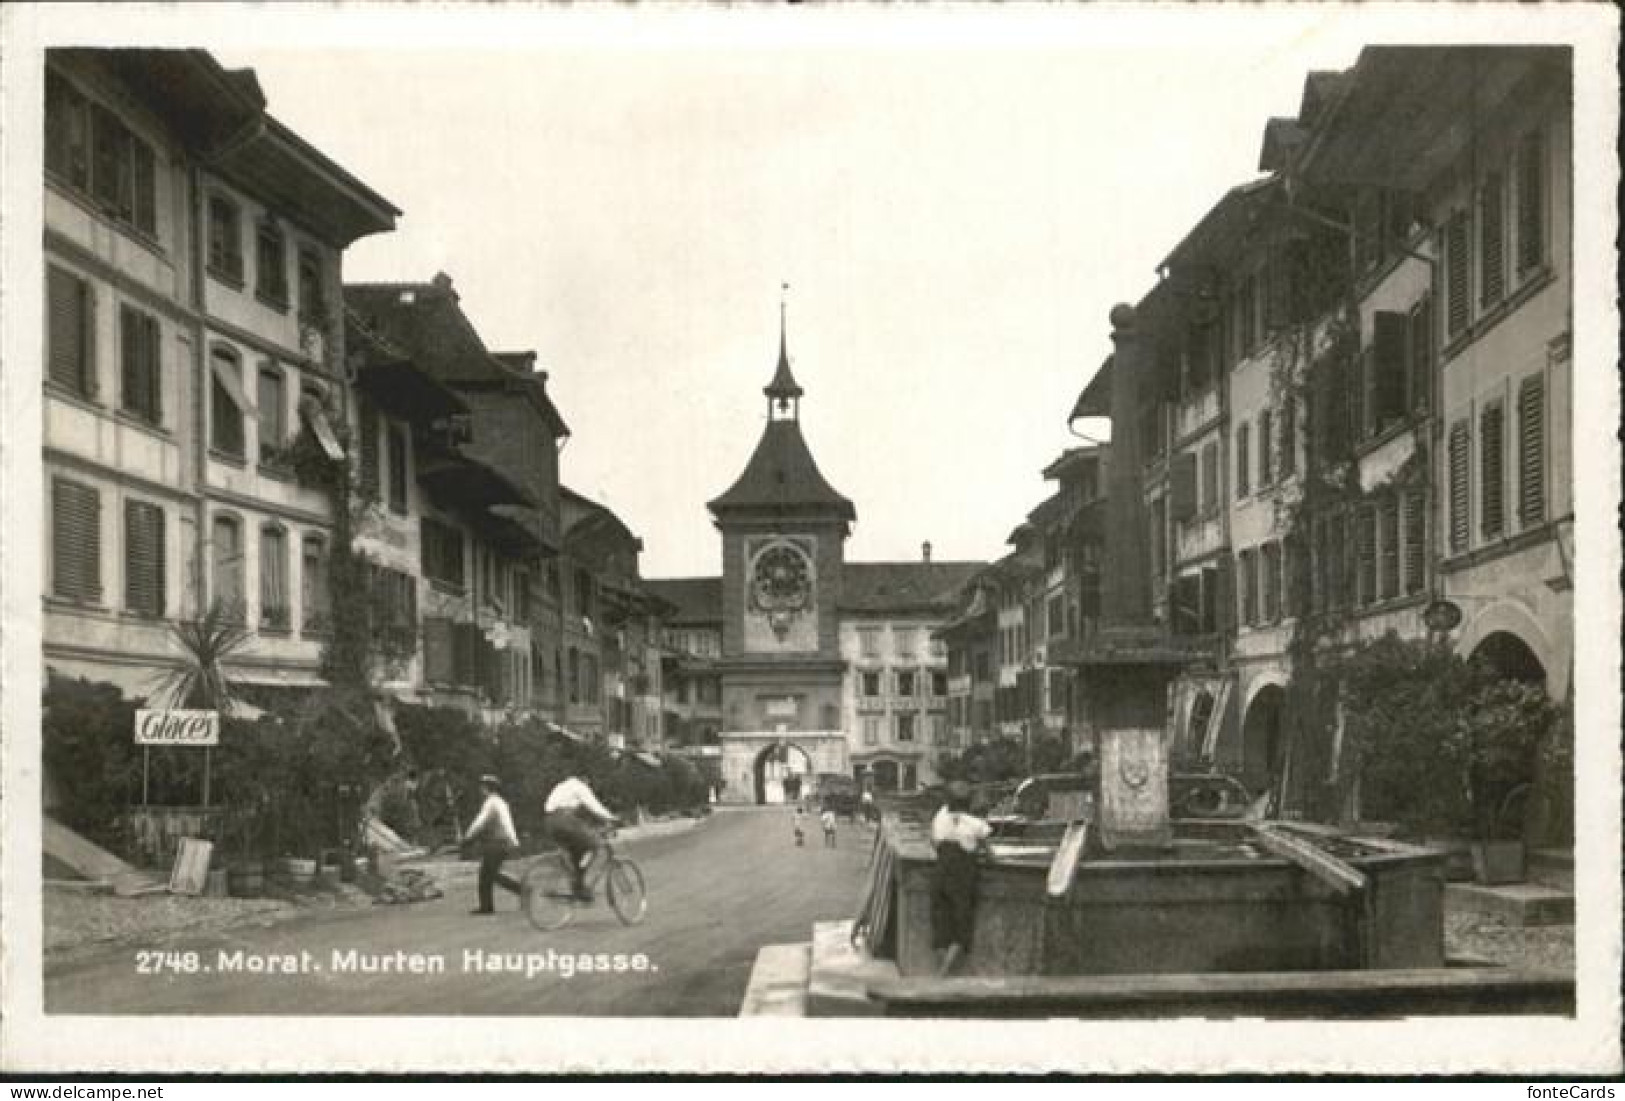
x,y
316,419
226,374
569,735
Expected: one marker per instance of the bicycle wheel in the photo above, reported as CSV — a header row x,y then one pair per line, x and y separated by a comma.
x,y
626,894
547,894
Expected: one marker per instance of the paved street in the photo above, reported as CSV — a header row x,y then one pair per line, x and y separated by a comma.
x,y
716,894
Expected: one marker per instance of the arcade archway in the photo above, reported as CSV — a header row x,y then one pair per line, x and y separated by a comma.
x,y
1511,657
1261,741
781,773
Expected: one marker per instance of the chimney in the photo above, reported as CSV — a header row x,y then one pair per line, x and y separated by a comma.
x,y
925,551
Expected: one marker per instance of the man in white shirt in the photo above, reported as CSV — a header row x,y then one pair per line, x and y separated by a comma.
x,y
572,810
492,831
958,836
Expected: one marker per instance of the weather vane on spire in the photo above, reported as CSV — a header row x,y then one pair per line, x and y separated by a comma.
x,y
783,392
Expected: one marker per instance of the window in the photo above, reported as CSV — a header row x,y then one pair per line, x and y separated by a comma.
x,y
1388,556
905,726
1289,436
871,685
1365,556
523,586
1292,577
71,332
367,416
89,149
228,568
937,729
575,675
225,404
939,685
1055,689
1419,360
1266,448
583,593
905,684
1460,495
67,132
1247,583
394,607
271,264
869,642
272,412
1270,563
905,643
314,597
1243,456
441,552
1531,177
312,291
225,240
1390,342
144,559
1456,266
76,541
871,731
1492,470
397,468
1210,478
139,366
1531,451
1337,559
1492,239
1055,613
275,608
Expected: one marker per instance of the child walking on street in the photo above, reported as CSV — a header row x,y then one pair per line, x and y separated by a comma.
x,y
828,819
800,817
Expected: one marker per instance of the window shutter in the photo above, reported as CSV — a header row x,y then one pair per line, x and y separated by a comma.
x,y
1531,202
1289,436
76,541
70,328
1390,335
1492,238
1415,538
1319,566
1210,477
1388,547
368,416
1366,576
1492,469
1266,448
1460,445
1243,459
1419,361
1456,269
274,610
1360,393
143,558
1183,485
1531,451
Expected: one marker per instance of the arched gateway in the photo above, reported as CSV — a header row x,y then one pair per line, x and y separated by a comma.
x,y
767,768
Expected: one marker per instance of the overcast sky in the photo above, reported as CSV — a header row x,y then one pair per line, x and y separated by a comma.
x,y
956,199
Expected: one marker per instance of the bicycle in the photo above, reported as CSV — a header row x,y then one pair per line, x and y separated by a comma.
x,y
547,891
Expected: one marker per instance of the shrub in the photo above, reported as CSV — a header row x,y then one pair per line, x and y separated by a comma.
x,y
88,746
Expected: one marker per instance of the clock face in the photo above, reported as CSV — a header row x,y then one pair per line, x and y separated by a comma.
x,y
781,581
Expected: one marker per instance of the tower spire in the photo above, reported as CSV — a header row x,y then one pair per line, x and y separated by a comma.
x,y
783,393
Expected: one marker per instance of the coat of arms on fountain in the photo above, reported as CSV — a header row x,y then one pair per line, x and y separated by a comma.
x,y
781,587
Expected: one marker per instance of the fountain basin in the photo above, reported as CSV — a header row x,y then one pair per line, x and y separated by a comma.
x,y
1212,903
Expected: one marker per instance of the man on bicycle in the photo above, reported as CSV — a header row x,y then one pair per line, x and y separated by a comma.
x,y
572,810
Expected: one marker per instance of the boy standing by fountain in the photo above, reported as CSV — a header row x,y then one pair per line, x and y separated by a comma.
x,y
958,837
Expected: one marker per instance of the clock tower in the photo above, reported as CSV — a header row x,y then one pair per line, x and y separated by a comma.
x,y
784,532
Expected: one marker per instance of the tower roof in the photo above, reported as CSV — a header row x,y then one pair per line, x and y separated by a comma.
x,y
784,385
782,476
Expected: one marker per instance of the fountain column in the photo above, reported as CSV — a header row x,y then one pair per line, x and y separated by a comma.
x,y
1130,661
